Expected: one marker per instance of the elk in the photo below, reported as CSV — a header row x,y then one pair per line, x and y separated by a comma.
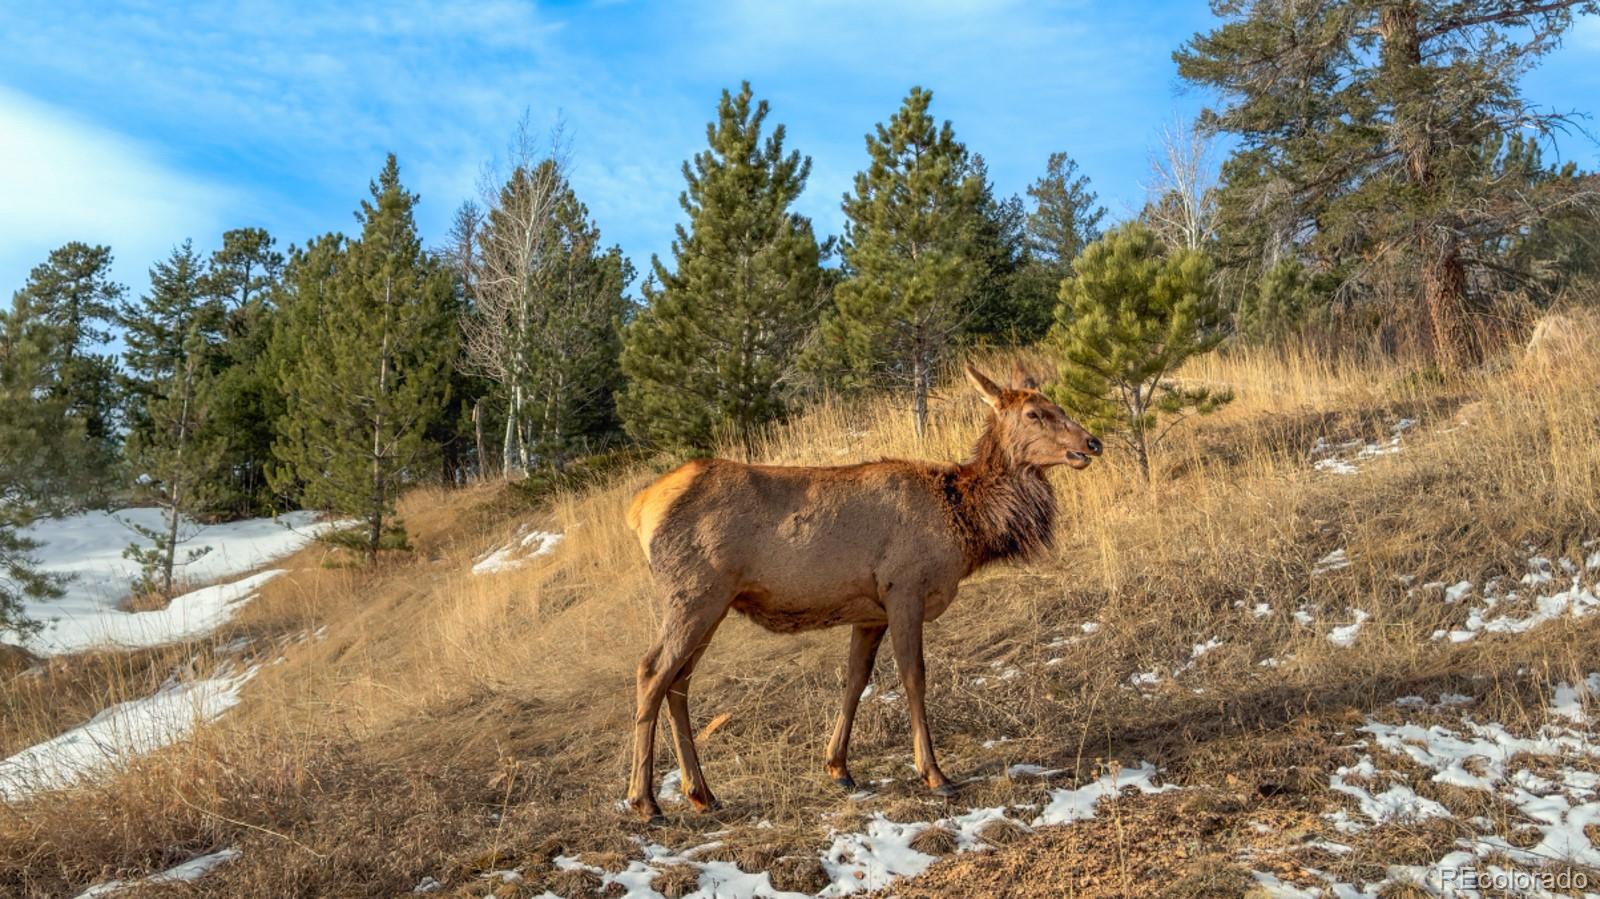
x,y
880,546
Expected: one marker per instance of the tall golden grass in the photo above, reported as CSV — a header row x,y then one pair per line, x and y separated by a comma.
x,y
443,718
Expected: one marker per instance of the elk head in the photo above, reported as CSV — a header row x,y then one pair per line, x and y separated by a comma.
x,y
1030,428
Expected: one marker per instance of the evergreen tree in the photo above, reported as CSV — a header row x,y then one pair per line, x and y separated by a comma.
x,y
1004,309
173,337
716,345
367,375
305,293
73,292
177,457
1065,217
1360,123
583,337
1130,316
461,255
244,275
244,271
158,329
42,450
1283,300
1549,238
910,270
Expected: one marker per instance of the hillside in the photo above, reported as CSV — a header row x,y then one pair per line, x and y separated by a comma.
x,y
1344,645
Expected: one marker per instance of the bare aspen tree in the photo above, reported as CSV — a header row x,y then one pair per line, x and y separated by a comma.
x,y
517,248
546,306
1182,192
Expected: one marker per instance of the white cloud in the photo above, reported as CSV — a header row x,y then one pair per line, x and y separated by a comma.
x,y
64,179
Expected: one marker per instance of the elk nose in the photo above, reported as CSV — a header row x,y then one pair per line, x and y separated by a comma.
x,y
1095,446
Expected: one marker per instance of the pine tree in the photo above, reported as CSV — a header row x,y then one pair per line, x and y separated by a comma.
x,y
1004,309
1064,220
717,344
910,270
367,374
1550,239
305,293
1130,316
244,275
157,330
178,460
461,255
1065,216
1282,302
582,338
173,337
41,451
1360,123
73,292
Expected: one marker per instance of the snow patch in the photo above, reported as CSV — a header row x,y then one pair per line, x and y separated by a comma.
x,y
1399,803
1558,802
875,856
1145,678
1346,636
1331,562
87,549
187,617
528,545
1340,458
1066,806
1501,611
188,872
119,733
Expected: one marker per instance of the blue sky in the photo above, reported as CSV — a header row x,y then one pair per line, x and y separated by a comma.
x,y
140,124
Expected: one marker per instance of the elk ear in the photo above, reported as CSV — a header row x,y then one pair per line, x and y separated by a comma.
x,y
992,394
1021,379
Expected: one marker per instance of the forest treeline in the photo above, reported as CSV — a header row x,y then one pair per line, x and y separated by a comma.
x,y
1384,184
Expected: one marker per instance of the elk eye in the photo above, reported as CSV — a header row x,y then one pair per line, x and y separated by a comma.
x,y
1033,415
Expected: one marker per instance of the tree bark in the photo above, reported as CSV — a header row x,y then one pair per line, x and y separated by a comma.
x,y
1444,284
477,427
175,489
375,514
920,376
1441,267
508,449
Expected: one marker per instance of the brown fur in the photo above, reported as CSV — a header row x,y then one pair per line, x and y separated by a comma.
x,y
879,546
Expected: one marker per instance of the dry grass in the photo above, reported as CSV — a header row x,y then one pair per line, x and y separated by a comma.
x,y
441,718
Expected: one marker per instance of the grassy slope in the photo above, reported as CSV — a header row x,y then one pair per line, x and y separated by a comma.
x,y
445,723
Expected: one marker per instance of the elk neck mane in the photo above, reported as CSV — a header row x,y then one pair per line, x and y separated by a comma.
x,y
1000,509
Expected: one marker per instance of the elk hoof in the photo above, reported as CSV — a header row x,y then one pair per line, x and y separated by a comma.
x,y
648,811
709,805
845,782
946,790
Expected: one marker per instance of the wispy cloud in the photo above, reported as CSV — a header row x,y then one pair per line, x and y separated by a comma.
x,y
65,179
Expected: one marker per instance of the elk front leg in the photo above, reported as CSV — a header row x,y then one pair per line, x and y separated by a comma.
x,y
864,640
695,788
905,626
688,625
